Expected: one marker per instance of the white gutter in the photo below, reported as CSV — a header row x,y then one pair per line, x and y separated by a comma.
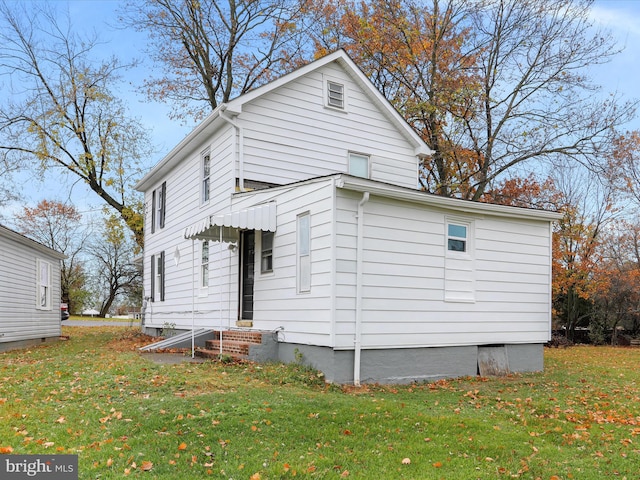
x,y
359,261
240,133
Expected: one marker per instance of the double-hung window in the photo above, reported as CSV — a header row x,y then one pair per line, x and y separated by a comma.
x,y
204,267
304,252
44,285
266,252
157,277
158,207
206,177
457,237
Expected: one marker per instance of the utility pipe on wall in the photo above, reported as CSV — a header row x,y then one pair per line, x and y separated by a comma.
x,y
240,131
359,276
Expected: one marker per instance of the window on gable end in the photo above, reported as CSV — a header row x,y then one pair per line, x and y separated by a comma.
x,y
359,165
335,94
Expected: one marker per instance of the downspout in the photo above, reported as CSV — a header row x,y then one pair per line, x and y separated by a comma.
x,y
240,133
193,297
359,260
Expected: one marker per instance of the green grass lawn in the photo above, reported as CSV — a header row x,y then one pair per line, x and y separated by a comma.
x,y
95,396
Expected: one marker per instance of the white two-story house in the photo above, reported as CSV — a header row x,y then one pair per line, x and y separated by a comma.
x,y
295,209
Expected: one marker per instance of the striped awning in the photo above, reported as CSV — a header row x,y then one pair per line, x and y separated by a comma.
x,y
226,226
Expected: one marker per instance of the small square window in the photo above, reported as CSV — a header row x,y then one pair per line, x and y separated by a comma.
x,y
456,238
359,165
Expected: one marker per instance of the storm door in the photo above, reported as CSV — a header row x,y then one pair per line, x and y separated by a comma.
x,y
247,268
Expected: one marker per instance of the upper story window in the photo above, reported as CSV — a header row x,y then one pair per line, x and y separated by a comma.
x,y
266,254
44,285
335,94
457,237
206,177
158,207
359,165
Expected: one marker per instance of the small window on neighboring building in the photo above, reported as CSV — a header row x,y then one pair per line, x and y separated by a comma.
x,y
157,277
266,257
304,253
204,267
44,285
359,165
158,207
206,177
456,237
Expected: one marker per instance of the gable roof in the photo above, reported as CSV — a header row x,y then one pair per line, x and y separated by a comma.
x,y
27,242
235,106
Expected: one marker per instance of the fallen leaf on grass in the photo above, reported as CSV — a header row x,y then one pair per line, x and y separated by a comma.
x,y
406,461
182,446
6,449
146,466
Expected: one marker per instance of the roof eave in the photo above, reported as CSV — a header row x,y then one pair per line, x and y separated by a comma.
x,y
349,182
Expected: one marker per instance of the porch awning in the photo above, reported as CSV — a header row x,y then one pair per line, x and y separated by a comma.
x,y
226,226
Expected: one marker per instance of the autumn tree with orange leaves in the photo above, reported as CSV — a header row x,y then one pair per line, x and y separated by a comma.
x,y
490,86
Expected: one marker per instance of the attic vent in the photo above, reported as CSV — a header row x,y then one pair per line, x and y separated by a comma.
x,y
335,95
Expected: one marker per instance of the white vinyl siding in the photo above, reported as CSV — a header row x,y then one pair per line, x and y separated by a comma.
x,y
180,275
21,314
281,151
405,278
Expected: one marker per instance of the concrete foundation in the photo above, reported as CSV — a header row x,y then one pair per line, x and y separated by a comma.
x,y
408,365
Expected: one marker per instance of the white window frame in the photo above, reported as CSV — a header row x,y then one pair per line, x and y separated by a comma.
x,y
158,277
468,239
303,242
205,171
43,282
356,156
329,100
266,254
158,207
204,264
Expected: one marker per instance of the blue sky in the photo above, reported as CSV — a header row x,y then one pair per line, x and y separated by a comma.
x,y
621,75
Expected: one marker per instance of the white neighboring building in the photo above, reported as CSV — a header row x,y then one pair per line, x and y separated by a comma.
x,y
296,209
29,291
